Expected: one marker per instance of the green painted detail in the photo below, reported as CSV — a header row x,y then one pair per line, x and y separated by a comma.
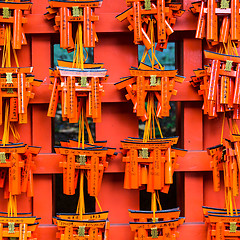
x,y
9,90
144,152
11,227
153,80
83,81
158,81
81,231
233,227
9,78
81,159
2,157
81,11
228,66
154,232
147,4
224,4
6,12
76,12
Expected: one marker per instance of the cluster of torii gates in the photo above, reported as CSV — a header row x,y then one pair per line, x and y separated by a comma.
x,y
78,88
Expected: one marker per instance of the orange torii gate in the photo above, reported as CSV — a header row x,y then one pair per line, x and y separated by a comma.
x,y
219,84
156,230
22,227
77,88
151,163
143,81
16,85
81,229
92,159
65,13
139,14
221,225
227,153
210,14
16,161
12,13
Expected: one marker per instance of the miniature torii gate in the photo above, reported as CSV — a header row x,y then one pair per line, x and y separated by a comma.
x,y
141,82
12,13
157,230
209,14
68,12
91,159
228,152
18,227
73,85
157,155
76,229
16,85
221,225
16,160
220,84
139,14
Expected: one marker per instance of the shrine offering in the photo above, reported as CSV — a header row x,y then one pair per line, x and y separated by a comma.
x,y
92,160
221,224
77,85
12,19
219,84
151,161
217,21
145,83
218,81
16,82
226,158
141,14
66,13
77,89
16,158
166,223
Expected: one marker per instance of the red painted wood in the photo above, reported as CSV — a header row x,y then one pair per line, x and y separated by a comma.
x,y
120,232
186,92
193,132
24,55
113,128
193,197
212,198
46,230
117,200
194,161
41,62
196,231
42,200
24,204
117,51
41,128
192,56
193,181
39,7
37,23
